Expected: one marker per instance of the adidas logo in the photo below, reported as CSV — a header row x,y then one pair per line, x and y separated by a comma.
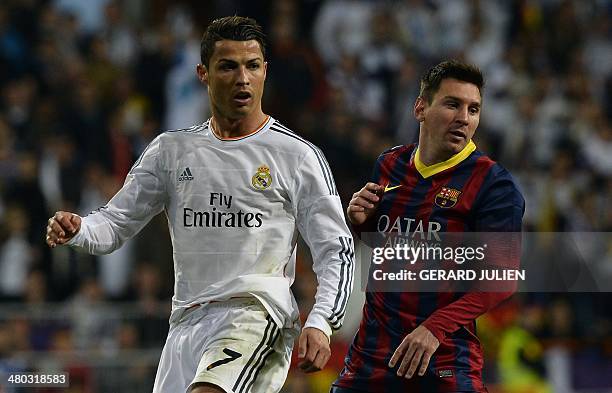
x,y
186,175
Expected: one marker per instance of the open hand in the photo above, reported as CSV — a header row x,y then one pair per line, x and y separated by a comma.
x,y
313,350
416,349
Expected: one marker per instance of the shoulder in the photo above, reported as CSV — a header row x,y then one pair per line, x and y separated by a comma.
x,y
182,133
398,150
168,145
308,158
393,153
499,172
284,137
500,205
499,182
172,141
496,172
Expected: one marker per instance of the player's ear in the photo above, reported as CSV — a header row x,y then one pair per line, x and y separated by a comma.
x,y
202,73
265,66
419,109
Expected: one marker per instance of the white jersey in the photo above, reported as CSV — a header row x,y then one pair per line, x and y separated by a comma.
x,y
234,208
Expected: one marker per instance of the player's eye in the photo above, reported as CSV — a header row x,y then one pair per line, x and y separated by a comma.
x,y
253,66
227,66
474,110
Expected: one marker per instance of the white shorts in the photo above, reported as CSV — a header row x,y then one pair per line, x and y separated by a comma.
x,y
233,344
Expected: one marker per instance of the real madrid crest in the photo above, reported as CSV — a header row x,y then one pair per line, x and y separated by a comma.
x,y
262,178
447,197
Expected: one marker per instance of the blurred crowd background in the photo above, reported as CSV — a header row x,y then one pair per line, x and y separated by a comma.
x,y
85,85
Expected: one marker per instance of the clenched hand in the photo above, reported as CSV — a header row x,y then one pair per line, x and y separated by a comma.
x,y
62,227
364,203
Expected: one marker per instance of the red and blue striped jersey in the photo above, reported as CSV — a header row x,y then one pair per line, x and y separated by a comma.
x,y
467,193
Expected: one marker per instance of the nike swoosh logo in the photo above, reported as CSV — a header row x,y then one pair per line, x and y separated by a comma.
x,y
387,188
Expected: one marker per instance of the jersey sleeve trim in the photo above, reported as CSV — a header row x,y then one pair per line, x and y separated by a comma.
x,y
346,277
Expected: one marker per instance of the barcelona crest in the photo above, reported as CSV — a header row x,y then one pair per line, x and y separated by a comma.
x,y
447,197
262,178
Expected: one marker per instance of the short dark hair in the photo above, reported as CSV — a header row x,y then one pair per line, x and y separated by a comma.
x,y
430,82
236,28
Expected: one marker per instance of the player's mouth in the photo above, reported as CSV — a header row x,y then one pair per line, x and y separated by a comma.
x,y
242,98
457,135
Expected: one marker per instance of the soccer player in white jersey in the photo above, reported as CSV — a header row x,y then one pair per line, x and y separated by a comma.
x,y
236,190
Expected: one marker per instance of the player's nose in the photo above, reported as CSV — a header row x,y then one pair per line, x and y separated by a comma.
x,y
243,76
462,115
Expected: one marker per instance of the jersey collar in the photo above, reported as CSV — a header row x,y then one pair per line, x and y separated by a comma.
x,y
255,131
428,171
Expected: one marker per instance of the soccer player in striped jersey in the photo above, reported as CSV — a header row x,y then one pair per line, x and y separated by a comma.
x,y
236,191
426,341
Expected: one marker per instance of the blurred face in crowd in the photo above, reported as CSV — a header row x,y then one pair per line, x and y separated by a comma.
x,y
448,123
235,78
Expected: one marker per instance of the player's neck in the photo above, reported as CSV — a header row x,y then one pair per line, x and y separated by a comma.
x,y
429,156
225,128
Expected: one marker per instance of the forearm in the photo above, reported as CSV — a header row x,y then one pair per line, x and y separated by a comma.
x,y
462,312
96,236
331,246
335,278
105,230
